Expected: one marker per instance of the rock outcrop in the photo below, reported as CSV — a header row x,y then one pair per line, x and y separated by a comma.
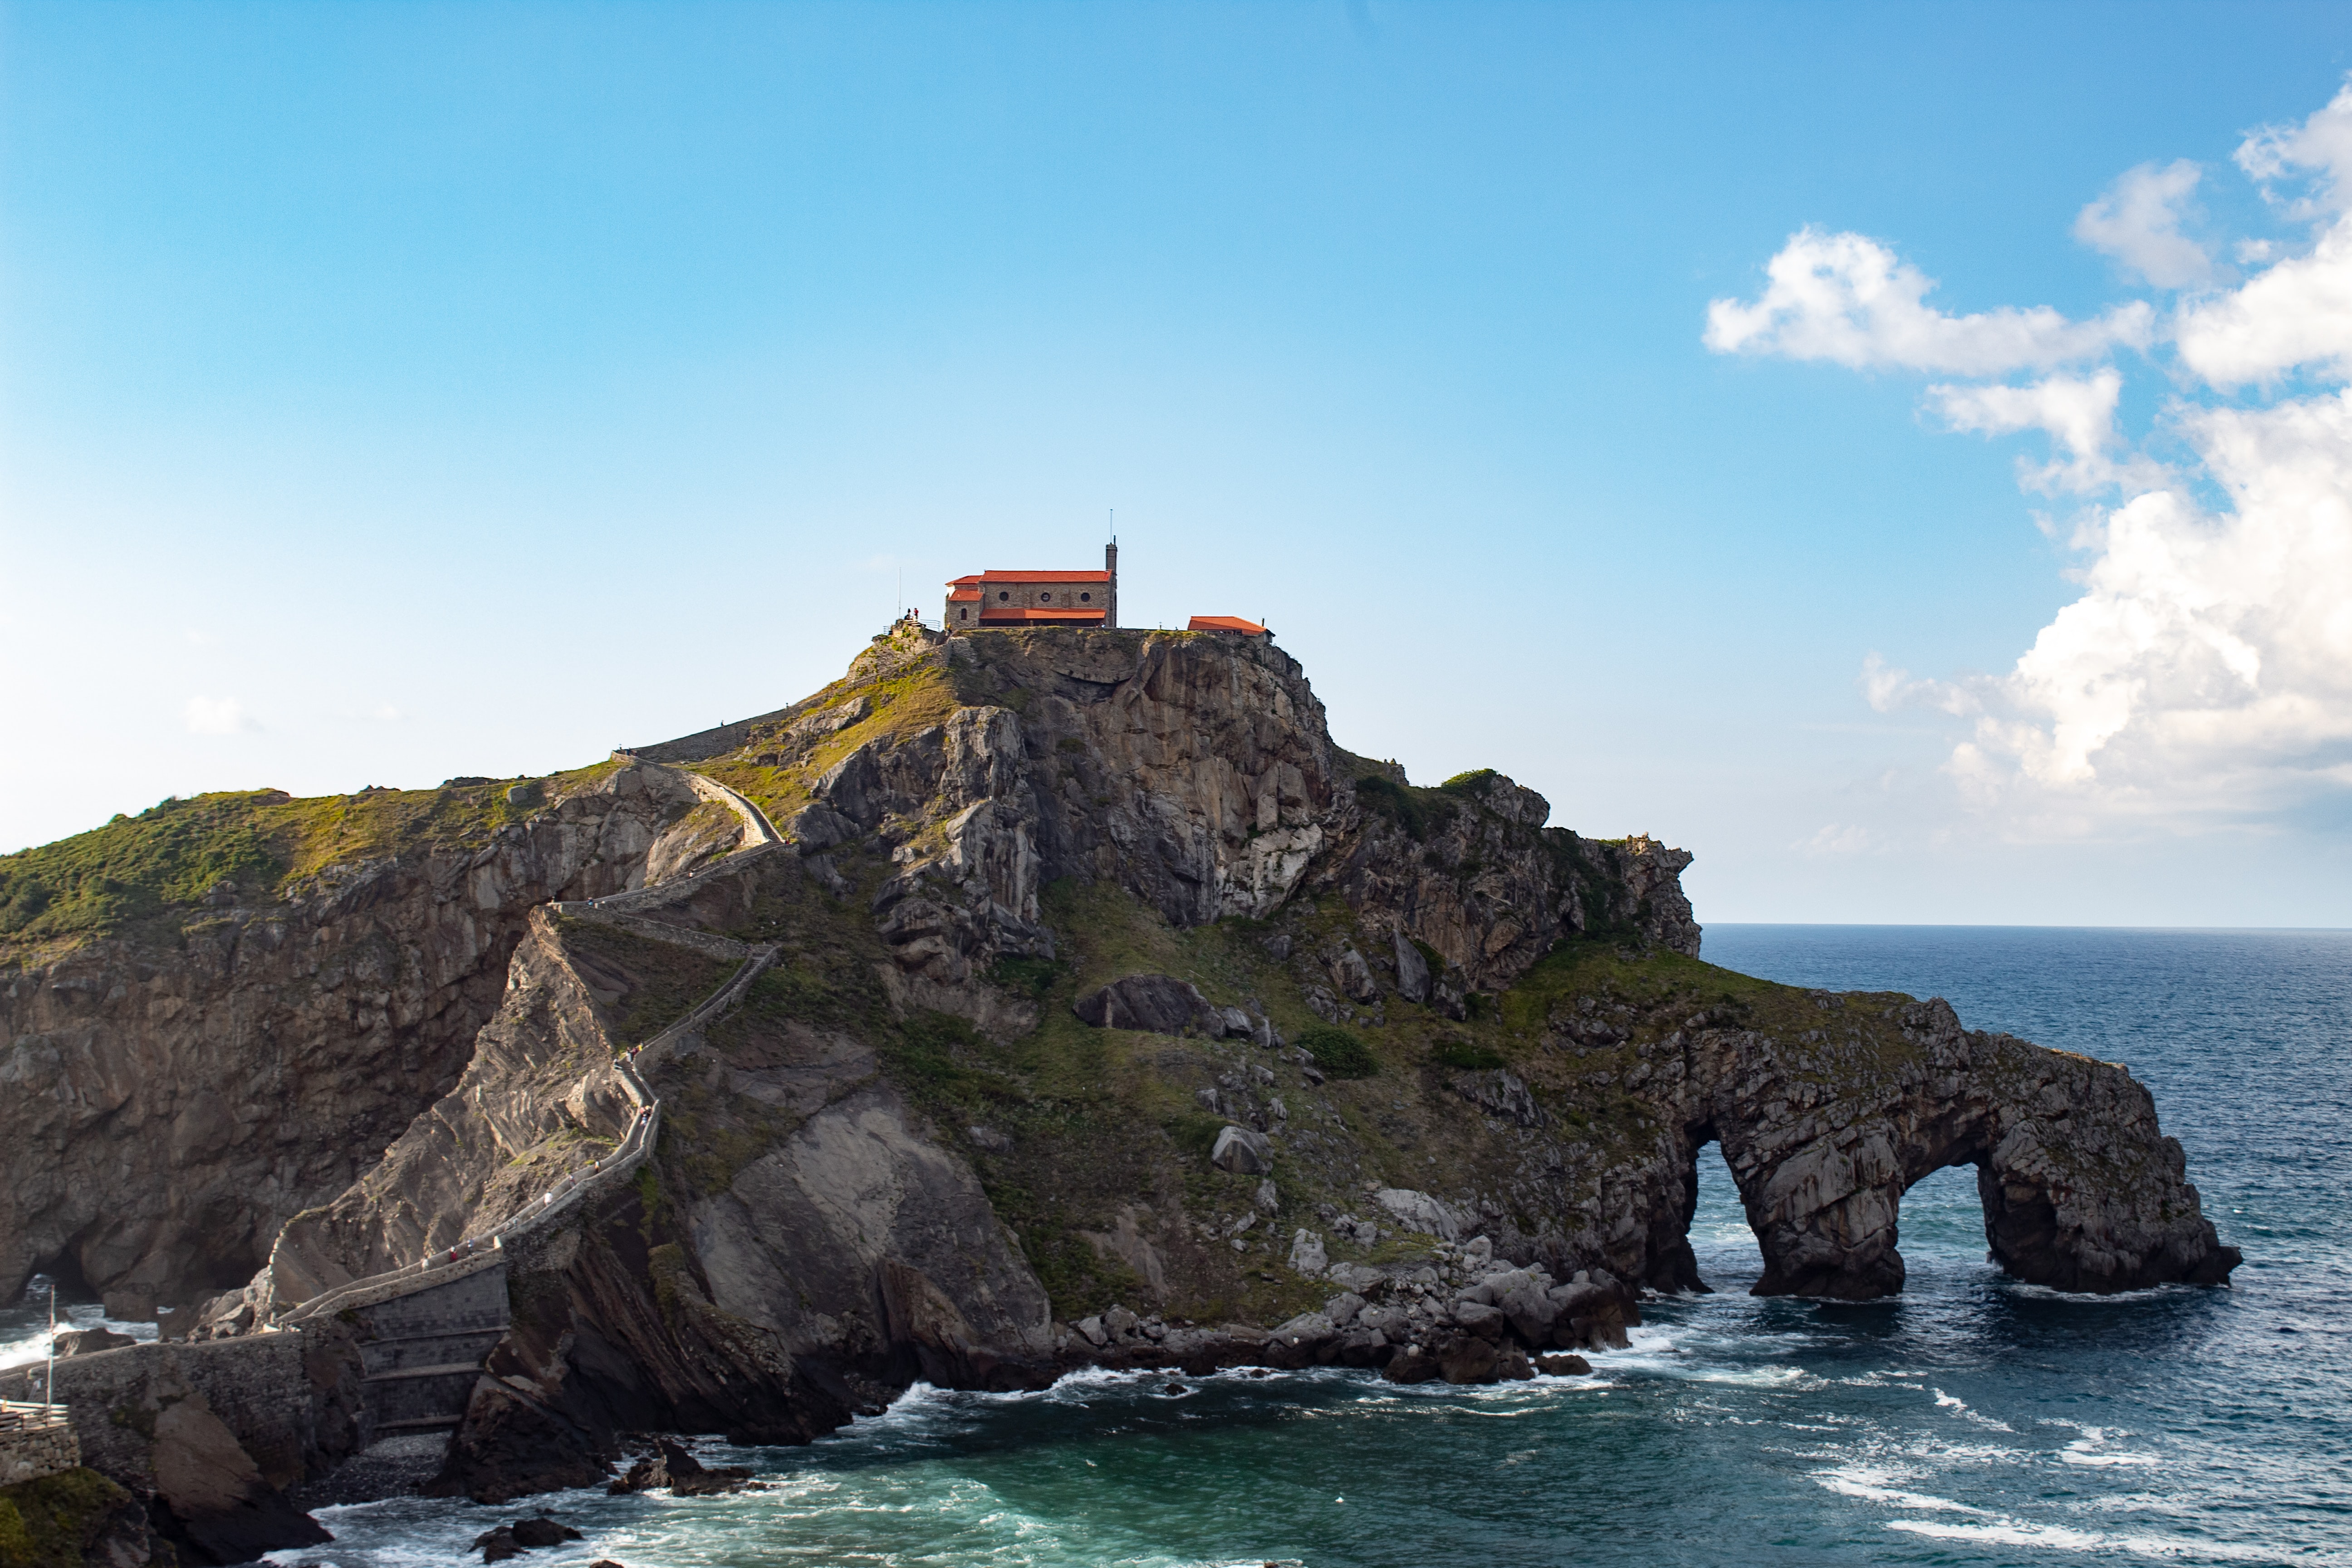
x,y
1115,1016
179,1090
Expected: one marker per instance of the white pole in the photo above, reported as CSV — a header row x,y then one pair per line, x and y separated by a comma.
x,y
49,1383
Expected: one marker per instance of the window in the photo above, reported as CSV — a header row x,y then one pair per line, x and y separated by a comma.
x,y
1085,598
962,613
1005,593
1044,597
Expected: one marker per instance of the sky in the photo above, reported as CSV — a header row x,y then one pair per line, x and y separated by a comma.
x,y
1900,454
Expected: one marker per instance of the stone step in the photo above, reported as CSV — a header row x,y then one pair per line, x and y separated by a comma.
x,y
446,1369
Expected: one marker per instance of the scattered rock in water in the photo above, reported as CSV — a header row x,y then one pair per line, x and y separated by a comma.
x,y
544,1530
1562,1366
681,1472
523,1535
1178,1388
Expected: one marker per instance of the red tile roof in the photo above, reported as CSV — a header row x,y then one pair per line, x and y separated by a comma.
x,y
1226,623
1006,613
1029,578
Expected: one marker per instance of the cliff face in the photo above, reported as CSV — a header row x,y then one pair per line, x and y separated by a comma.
x,y
1114,1013
173,1094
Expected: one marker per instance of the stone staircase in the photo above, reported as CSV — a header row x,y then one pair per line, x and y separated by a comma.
x,y
436,1321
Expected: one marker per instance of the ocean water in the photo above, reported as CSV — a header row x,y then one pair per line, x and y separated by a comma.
x,y
1973,1421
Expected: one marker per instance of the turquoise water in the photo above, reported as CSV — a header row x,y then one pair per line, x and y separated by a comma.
x,y
1973,1421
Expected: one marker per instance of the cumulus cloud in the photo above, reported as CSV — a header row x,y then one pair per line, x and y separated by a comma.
x,y
2298,312
1846,298
2138,221
2321,145
216,716
1887,689
2209,660
2077,412
2203,673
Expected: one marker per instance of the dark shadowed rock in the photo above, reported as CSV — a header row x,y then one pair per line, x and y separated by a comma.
x,y
674,1467
1156,1004
510,1445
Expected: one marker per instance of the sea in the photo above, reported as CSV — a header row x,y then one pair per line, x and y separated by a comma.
x,y
1973,1420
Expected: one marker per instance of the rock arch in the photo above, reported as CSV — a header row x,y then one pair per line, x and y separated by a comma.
x,y
2081,1190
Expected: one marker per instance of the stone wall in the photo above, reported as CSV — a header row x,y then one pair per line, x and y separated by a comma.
x,y
257,1386
32,1447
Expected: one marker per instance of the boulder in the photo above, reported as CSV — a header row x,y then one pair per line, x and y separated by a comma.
x,y
543,1531
89,1341
1353,976
1242,1151
510,1444
1156,1003
1304,1340
1413,969
681,1472
1480,1319
1306,1254
220,1508
1342,1309
1419,1211
1562,1366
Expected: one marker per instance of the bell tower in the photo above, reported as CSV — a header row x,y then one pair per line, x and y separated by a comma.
x,y
1110,564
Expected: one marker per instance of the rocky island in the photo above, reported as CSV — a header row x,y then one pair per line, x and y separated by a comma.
x,y
1024,1001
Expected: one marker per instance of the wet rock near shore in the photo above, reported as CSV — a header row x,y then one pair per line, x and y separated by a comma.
x,y
671,1467
523,1535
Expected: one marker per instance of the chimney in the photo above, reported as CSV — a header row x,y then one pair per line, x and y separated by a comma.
x,y
1110,564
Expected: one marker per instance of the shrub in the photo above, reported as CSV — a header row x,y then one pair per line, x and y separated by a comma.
x,y
1338,1053
1462,1054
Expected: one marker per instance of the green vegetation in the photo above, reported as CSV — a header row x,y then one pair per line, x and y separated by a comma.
x,y
1462,1054
1338,1053
171,855
1030,978
51,1523
645,985
1416,811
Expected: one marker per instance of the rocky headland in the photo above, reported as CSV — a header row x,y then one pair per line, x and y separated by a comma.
x,y
1021,1003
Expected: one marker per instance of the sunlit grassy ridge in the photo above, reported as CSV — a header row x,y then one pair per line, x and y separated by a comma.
x,y
136,867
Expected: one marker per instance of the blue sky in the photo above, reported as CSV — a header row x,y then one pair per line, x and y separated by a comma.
x,y
393,392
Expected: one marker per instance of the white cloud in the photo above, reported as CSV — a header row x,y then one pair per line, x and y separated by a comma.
x,y
2138,221
2207,668
2203,674
2077,412
1846,298
1839,838
2321,145
1887,689
2297,312
216,716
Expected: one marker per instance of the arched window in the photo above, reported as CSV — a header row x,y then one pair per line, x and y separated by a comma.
x,y
962,614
